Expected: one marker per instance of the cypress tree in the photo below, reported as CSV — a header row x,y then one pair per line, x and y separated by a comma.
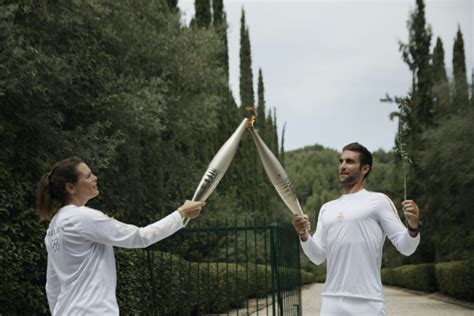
x,y
172,4
261,121
440,81
275,132
416,53
472,87
418,115
250,169
282,148
218,14
460,94
220,25
246,76
270,128
203,17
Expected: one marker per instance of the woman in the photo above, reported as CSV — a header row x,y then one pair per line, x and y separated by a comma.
x,y
81,276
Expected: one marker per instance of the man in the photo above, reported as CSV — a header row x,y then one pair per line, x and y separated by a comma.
x,y
350,234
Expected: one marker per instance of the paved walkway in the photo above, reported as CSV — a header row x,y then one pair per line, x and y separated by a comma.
x,y
399,302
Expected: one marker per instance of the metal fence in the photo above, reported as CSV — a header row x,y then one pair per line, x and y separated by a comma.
x,y
213,268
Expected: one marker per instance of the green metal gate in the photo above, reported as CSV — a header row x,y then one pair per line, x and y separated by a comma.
x,y
221,269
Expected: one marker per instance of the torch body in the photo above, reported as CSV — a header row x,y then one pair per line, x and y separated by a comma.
x,y
277,175
219,165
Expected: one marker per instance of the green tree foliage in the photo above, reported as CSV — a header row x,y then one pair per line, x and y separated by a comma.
x,y
266,123
418,115
218,13
441,91
460,93
259,202
203,16
448,167
246,75
313,171
172,4
220,24
270,129
416,53
472,87
440,151
275,131
124,86
282,145
261,104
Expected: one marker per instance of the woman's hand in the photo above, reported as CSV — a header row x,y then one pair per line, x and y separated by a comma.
x,y
191,209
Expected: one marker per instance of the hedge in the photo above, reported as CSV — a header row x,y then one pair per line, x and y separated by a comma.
x,y
317,273
308,277
419,277
456,279
188,287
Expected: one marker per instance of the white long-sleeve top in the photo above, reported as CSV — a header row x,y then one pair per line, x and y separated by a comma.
x,y
81,275
350,234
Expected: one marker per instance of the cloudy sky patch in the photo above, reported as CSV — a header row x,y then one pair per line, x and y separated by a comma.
x,y
327,64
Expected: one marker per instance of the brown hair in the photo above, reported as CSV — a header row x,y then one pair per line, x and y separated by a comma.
x,y
364,154
51,191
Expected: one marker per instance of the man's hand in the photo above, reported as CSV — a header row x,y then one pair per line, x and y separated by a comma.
x,y
191,209
412,213
302,226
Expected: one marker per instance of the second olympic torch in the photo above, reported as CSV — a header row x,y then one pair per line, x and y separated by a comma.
x,y
219,165
277,174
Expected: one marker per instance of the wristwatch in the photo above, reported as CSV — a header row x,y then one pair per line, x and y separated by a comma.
x,y
414,230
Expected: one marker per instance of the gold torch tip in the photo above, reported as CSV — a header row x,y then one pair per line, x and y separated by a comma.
x,y
252,117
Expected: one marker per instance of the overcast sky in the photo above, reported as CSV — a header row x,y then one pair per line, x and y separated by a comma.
x,y
326,64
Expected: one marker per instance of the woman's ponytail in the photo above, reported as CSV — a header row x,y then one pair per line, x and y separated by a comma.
x,y
44,199
51,191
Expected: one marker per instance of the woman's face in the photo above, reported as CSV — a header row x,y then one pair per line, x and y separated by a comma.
x,y
86,186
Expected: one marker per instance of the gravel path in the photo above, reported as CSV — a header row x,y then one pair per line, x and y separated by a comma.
x,y
399,302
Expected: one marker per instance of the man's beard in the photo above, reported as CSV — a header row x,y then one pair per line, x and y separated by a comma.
x,y
350,179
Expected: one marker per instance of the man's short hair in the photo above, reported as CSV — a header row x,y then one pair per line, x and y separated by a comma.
x,y
364,154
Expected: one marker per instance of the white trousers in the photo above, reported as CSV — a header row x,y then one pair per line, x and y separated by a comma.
x,y
351,306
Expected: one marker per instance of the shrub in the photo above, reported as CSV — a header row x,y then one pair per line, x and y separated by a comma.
x,y
456,279
184,287
319,272
419,277
308,277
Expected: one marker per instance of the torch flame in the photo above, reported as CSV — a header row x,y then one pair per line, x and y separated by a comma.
x,y
252,121
252,118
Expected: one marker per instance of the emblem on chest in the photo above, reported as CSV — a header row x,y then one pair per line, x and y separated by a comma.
x,y
340,216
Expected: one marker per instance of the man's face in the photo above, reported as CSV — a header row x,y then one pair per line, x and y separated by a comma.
x,y
350,171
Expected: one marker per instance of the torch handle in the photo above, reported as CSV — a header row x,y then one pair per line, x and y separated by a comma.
x,y
186,221
194,199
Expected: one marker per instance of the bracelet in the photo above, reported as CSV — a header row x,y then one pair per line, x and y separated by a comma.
x,y
414,230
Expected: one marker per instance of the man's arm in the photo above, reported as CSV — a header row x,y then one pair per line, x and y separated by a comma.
x,y
313,247
406,242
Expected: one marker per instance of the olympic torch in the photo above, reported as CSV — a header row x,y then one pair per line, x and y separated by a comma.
x,y
277,174
219,165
